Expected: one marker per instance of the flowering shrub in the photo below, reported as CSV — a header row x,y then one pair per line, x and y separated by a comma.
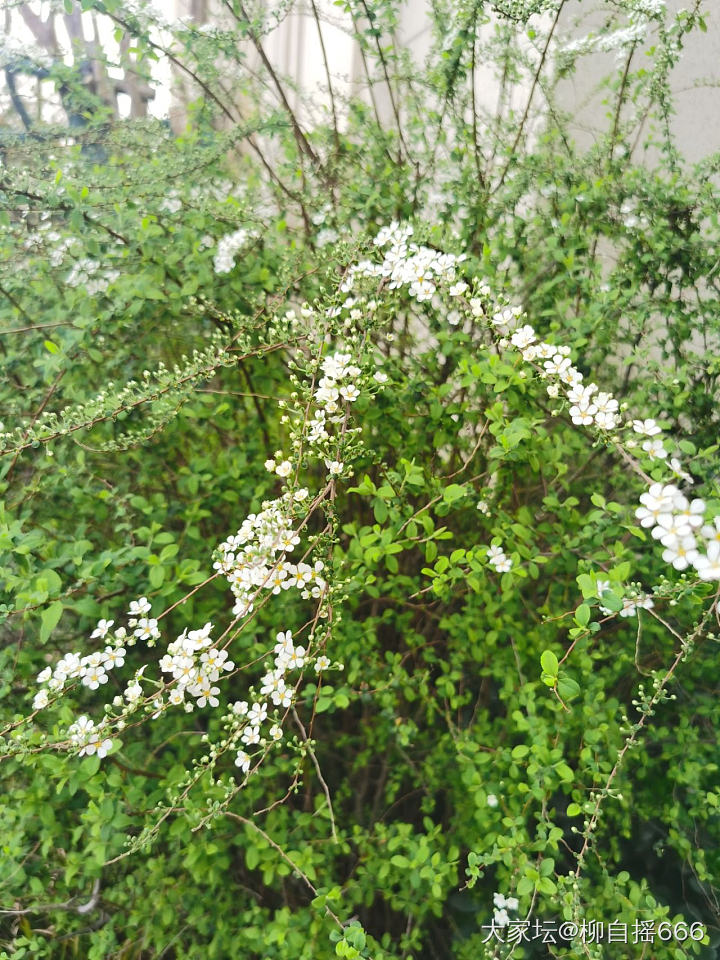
x,y
362,550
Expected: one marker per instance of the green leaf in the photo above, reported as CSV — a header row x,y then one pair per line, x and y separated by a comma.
x,y
51,347
549,663
586,584
611,601
454,492
582,616
168,552
525,886
90,766
568,688
49,619
380,510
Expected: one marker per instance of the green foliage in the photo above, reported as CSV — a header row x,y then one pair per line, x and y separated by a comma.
x,y
480,728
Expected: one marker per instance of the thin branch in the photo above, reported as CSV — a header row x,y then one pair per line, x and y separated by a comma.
x,y
536,79
326,789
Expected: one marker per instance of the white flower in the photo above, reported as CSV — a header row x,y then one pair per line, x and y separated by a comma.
x,y
492,800
240,708
655,503
670,529
296,660
655,448
708,566
630,606
283,642
583,416
334,467
96,659
250,735
205,694
257,713
322,663
523,337
276,732
44,675
97,745
677,469
101,630
497,558
605,421
40,700
558,365
600,587
114,657
682,553
213,661
349,393
270,682
581,395
138,607
81,730
483,507
70,666
133,692
646,427
606,403
242,760
147,629
270,466
692,512
93,677
708,532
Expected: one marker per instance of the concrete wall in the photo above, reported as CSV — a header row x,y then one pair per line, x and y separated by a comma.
x,y
295,50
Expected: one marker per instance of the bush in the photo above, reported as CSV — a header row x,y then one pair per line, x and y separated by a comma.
x,y
360,513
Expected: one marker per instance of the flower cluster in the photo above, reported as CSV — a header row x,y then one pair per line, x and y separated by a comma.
x,y
676,522
253,558
228,248
275,689
89,738
195,665
498,559
91,276
630,604
418,268
92,669
502,905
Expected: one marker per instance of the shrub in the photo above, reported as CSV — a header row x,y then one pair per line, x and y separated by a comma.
x,y
360,513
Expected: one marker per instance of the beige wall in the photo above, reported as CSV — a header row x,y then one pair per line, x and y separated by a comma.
x,y
294,49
